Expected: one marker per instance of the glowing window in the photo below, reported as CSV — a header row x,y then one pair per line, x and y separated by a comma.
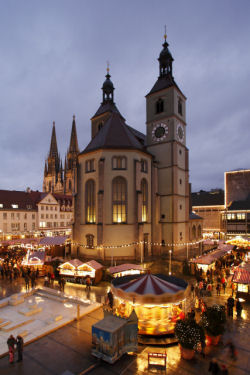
x,y
90,201
144,190
119,194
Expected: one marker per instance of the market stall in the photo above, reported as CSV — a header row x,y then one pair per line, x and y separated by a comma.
x,y
241,278
126,269
76,271
158,300
208,261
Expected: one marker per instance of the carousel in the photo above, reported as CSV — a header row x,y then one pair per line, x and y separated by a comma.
x,y
158,300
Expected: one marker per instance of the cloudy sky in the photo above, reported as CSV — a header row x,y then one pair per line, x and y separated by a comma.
x,y
53,57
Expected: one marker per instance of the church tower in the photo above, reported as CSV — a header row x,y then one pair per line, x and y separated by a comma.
x,y
166,140
70,165
53,179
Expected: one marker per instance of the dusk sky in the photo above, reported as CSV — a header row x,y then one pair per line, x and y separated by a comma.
x,y
53,57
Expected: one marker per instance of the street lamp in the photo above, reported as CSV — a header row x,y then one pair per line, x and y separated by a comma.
x,y
170,252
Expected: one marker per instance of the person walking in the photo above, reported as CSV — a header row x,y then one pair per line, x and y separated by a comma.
x,y
232,350
88,283
27,282
11,342
218,289
110,299
230,306
223,370
238,308
214,368
63,282
19,346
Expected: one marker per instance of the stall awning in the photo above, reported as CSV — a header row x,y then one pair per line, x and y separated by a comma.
x,y
94,264
52,241
73,262
242,274
211,257
125,267
20,241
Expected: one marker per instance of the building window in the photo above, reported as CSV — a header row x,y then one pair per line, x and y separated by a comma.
x,y
42,207
55,216
33,226
241,216
90,241
144,190
1,205
33,216
199,231
180,106
194,232
25,216
144,165
180,181
47,208
12,215
119,199
51,216
25,226
180,236
47,216
159,106
90,165
5,215
100,125
119,162
90,201
180,206
180,152
14,205
42,224
42,216
18,216
70,185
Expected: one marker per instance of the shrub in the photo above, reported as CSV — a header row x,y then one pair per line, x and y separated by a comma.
x,y
213,320
189,334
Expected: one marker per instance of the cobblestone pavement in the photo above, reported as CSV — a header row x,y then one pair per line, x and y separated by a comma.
x,y
69,347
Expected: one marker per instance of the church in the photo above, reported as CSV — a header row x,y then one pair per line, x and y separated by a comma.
x,y
131,190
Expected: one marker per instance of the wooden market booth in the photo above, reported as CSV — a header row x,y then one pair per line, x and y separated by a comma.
x,y
76,271
241,278
126,269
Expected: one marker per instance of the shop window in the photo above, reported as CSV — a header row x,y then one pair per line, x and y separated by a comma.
x,y
90,201
119,162
90,241
119,200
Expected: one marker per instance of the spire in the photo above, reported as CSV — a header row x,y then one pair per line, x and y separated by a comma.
x,y
108,89
53,153
45,169
165,59
73,147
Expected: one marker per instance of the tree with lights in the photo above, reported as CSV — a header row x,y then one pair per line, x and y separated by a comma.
x,y
191,337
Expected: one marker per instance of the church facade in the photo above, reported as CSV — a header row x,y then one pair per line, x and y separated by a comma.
x,y
132,197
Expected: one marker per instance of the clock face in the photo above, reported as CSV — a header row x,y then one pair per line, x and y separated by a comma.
x,y
159,132
180,132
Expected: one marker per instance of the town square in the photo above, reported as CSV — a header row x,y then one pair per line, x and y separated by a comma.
x,y
124,187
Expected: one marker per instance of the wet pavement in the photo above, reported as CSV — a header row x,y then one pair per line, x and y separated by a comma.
x,y
69,348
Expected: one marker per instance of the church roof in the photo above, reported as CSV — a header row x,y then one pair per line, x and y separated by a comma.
x,y
106,107
208,198
162,83
114,134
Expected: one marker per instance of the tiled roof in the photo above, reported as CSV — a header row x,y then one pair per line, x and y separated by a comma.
x,y
193,216
22,199
240,205
163,83
114,134
208,198
125,267
107,107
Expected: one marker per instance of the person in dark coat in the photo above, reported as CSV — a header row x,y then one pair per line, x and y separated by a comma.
x,y
238,308
223,370
111,299
214,368
11,342
19,346
230,305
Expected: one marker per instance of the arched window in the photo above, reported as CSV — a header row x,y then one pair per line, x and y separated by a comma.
x,y
90,201
70,185
180,106
159,106
144,190
193,232
90,241
199,231
119,200
119,162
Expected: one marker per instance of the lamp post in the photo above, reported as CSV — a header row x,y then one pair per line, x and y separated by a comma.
x,y
170,253
187,251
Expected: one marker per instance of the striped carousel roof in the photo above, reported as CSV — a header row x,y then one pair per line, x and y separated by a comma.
x,y
149,288
150,284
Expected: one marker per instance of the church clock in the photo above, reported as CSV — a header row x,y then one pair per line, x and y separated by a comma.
x,y
159,132
180,132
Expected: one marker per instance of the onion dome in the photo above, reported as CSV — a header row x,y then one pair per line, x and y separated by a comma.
x,y
108,89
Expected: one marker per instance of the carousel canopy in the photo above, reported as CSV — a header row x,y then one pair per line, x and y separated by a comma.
x,y
150,288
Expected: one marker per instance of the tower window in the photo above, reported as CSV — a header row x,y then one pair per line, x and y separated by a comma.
x,y
119,198
90,241
70,185
90,165
181,236
180,106
180,206
119,162
180,181
180,152
159,106
90,201
100,125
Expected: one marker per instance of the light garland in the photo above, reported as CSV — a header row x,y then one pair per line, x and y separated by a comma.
x,y
138,243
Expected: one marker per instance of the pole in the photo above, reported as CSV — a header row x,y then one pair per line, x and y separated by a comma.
x,y
187,251
170,269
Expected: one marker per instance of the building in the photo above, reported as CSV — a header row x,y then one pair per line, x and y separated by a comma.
x,y
210,206
33,212
132,195
56,178
236,218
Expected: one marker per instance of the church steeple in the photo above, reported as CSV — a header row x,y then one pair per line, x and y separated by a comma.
x,y
73,147
108,89
53,153
165,59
